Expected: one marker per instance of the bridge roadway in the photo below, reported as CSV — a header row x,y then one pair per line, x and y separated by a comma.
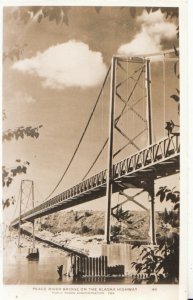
x,y
157,160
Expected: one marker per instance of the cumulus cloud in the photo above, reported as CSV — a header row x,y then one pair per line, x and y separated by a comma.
x,y
19,98
154,29
71,64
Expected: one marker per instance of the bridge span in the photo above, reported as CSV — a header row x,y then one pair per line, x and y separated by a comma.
x,y
136,171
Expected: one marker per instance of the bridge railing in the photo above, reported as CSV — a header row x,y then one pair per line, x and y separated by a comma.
x,y
158,152
85,186
148,156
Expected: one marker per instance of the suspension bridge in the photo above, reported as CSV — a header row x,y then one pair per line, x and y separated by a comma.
x,y
129,83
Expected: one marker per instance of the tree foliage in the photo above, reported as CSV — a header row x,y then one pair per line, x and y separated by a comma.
x,y
60,14
21,132
161,262
8,201
170,12
171,195
8,174
57,14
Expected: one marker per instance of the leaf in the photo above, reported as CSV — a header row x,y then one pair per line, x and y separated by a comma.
x,y
176,51
144,249
176,206
168,197
161,189
162,196
146,255
138,267
175,97
173,197
14,172
136,245
176,68
177,192
24,170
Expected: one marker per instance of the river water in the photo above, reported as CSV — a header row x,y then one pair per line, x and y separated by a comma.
x,y
18,270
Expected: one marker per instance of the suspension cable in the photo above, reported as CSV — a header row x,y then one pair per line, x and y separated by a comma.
x,y
83,134
117,119
94,162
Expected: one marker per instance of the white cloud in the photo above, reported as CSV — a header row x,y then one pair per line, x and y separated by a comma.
x,y
70,64
154,29
19,98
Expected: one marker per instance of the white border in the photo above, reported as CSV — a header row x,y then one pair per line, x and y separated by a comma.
x,y
190,152
163,3
144,292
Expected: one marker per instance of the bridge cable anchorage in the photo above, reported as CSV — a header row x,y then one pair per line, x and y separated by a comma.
x,y
85,129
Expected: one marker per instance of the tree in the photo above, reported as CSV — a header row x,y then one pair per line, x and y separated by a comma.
x,y
161,262
8,174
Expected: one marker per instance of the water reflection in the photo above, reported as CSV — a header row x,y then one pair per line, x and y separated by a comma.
x,y
19,270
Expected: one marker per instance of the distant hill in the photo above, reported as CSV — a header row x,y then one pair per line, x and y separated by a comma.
x,y
136,226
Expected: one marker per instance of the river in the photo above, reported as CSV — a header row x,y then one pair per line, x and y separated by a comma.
x,y
18,270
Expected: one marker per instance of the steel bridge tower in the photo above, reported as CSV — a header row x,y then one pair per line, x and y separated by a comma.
x,y
148,183
26,195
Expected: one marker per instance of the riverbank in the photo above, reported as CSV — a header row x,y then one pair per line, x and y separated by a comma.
x,y
88,245
18,270
67,241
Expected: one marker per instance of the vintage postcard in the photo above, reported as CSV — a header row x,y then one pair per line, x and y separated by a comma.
x,y
94,178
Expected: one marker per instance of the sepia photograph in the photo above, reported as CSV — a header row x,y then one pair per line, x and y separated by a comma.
x,y
91,147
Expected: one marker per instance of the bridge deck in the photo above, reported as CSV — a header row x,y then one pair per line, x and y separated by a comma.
x,y
158,160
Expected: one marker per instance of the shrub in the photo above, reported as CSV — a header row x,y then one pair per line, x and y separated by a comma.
x,y
161,263
100,231
87,214
85,229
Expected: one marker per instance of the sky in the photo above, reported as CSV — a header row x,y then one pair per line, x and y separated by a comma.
x,y
57,80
